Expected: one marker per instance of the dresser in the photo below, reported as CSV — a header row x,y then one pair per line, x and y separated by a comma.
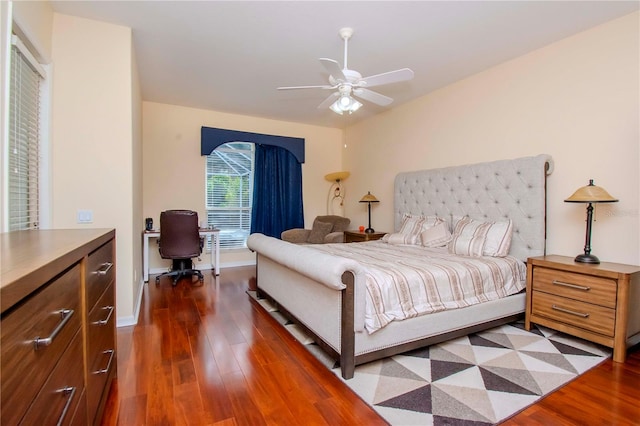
x,y
58,347
599,303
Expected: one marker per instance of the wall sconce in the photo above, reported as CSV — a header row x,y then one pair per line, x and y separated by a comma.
x,y
589,194
368,198
336,190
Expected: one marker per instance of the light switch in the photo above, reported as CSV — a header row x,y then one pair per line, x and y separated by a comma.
x,y
85,216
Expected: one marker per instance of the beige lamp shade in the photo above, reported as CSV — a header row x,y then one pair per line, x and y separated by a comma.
x,y
591,194
369,198
337,176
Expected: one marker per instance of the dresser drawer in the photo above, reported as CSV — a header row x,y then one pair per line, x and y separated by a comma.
x,y
100,272
51,316
587,288
590,317
58,400
101,347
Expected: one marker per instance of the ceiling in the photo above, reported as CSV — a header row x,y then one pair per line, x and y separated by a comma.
x,y
231,56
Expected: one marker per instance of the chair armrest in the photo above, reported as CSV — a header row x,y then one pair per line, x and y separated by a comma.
x,y
334,237
296,235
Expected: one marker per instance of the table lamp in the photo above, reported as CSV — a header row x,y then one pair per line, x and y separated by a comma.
x,y
589,194
368,198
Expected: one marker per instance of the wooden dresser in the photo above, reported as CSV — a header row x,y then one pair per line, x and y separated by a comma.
x,y
598,303
58,347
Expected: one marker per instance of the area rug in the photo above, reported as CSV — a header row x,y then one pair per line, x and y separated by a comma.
x,y
480,379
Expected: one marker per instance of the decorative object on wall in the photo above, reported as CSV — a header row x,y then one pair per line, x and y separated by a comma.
x,y
336,190
369,198
350,83
589,194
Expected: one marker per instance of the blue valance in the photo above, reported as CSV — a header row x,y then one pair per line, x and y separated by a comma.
x,y
211,138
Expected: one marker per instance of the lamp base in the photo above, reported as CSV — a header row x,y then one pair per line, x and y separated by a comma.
x,y
587,258
369,231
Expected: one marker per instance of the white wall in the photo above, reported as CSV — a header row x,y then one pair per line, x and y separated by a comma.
x,y
174,171
96,117
576,99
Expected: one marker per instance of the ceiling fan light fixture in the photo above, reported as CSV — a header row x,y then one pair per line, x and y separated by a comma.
x,y
344,104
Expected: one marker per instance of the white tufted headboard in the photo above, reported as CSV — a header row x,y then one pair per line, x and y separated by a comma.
x,y
496,190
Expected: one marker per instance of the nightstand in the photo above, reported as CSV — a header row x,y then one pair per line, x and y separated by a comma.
x,y
358,237
599,303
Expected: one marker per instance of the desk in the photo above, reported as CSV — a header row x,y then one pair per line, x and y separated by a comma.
x,y
215,249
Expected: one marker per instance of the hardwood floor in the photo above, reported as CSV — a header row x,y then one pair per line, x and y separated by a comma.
x,y
205,355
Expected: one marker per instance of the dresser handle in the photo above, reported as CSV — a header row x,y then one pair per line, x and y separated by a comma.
x,y
70,391
106,320
66,315
104,268
111,353
567,311
575,286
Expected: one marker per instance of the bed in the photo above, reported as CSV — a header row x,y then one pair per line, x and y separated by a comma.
x,y
326,290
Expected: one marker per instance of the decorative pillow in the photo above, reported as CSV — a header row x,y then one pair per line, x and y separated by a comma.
x,y
398,238
498,239
468,237
436,236
319,231
414,225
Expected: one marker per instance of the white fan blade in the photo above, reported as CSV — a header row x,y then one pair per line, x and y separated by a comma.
x,y
327,102
333,68
324,86
387,77
371,96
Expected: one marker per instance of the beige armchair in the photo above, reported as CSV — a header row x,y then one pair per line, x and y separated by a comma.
x,y
325,229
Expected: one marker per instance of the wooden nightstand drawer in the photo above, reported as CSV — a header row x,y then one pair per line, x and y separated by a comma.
x,y
587,288
579,314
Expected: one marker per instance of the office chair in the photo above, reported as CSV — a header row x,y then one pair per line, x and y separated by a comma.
x,y
179,241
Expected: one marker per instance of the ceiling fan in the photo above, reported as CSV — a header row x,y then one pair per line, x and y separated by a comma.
x,y
351,83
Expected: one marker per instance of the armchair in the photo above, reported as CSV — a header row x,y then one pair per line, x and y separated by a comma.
x,y
325,229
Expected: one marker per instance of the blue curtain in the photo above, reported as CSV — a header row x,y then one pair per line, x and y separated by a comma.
x,y
277,191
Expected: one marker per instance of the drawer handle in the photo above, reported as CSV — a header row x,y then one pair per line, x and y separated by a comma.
x,y
66,315
111,353
106,320
574,286
70,391
568,311
104,268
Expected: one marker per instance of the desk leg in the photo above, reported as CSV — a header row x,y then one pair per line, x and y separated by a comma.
x,y
145,258
217,250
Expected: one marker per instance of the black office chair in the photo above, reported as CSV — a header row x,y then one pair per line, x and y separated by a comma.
x,y
179,241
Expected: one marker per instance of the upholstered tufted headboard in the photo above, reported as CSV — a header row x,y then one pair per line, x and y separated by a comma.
x,y
496,190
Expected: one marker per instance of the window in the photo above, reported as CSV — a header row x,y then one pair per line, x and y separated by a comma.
x,y
229,186
23,153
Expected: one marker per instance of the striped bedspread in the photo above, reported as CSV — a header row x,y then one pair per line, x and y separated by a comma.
x,y
404,281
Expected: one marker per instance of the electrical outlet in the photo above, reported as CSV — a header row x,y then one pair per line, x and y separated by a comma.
x,y
85,216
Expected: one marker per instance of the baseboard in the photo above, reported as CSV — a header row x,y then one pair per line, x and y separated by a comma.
x,y
133,319
155,271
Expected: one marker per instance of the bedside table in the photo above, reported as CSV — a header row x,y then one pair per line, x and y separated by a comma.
x,y
358,237
599,303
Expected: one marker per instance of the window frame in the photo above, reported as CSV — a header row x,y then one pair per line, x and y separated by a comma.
x,y
226,237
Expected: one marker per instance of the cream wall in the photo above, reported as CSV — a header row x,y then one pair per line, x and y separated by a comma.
x,y
174,171
96,142
576,99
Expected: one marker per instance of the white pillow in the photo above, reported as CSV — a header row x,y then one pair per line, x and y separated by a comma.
x,y
477,238
414,225
436,236
468,237
398,238
498,239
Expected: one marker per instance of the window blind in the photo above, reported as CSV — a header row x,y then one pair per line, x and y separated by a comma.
x,y
229,192
24,143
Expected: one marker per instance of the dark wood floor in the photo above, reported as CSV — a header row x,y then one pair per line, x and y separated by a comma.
x,y
205,355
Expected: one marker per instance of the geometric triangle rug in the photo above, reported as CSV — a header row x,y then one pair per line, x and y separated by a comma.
x,y
480,379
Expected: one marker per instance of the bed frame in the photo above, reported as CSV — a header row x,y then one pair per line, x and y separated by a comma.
x,y
325,293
